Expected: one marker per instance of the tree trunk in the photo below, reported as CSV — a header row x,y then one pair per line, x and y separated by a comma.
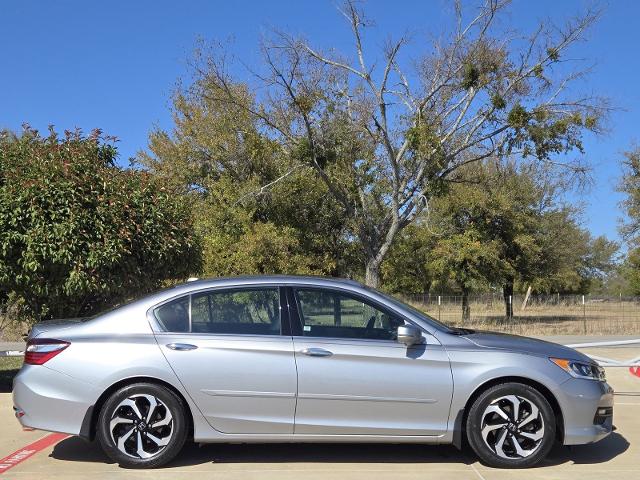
x,y
372,275
507,293
376,249
466,308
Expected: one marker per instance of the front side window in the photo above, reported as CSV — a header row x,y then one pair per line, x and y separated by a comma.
x,y
326,313
238,311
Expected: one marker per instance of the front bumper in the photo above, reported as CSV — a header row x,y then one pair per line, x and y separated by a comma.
x,y
587,407
45,399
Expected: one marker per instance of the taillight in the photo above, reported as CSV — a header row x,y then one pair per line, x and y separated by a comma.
x,y
41,350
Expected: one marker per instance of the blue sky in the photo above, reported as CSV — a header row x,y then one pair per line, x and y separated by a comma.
x,y
113,65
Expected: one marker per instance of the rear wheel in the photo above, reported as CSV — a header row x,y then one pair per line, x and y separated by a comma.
x,y
142,426
511,425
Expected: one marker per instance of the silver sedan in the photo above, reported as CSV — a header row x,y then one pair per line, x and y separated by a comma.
x,y
302,359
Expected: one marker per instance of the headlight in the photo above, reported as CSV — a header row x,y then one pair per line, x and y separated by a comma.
x,y
580,369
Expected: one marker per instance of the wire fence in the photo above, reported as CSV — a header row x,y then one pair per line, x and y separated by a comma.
x,y
539,315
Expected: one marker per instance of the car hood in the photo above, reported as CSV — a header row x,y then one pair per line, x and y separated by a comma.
x,y
517,343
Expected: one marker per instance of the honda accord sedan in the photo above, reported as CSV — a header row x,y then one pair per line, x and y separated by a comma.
x,y
302,359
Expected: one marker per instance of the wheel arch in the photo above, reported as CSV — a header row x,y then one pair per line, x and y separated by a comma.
x,y
89,423
459,436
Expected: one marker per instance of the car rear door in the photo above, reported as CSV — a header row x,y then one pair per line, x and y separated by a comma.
x,y
227,348
355,379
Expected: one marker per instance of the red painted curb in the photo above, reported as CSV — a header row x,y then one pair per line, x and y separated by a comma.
x,y
27,452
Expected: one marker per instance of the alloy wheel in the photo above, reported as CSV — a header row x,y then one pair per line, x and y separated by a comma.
x,y
141,426
513,427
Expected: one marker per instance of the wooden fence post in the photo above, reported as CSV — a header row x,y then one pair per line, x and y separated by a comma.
x,y
526,298
584,316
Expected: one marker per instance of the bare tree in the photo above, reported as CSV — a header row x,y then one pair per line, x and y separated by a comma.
x,y
385,138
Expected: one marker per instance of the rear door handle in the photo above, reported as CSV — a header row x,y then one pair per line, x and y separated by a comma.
x,y
316,352
181,347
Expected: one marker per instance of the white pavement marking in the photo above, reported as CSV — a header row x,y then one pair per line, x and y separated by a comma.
x,y
610,362
11,353
615,343
477,472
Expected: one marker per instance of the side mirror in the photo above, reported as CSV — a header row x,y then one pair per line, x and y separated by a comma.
x,y
409,335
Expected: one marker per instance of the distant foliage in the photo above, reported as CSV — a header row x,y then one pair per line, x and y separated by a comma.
x,y
252,212
630,187
501,225
407,270
384,130
77,232
630,227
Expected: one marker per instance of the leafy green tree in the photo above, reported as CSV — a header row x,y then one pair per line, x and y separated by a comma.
x,y
630,187
630,224
235,242
488,225
384,134
602,259
407,269
572,261
250,220
501,225
629,283
564,245
77,232
468,259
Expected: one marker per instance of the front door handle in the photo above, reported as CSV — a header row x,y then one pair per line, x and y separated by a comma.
x,y
316,352
181,347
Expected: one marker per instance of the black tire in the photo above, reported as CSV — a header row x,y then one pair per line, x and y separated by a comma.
x,y
170,407
544,424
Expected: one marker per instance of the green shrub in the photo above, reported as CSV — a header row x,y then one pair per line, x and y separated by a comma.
x,y
77,232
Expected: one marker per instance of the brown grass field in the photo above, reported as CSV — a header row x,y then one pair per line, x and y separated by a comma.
x,y
564,316
549,315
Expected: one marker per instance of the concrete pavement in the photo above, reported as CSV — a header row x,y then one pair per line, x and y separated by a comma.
x,y
12,346
617,456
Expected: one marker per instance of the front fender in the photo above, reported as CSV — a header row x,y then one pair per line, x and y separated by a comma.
x,y
473,370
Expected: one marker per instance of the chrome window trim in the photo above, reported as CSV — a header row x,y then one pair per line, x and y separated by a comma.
x,y
373,302
158,329
354,289
428,328
429,340
190,321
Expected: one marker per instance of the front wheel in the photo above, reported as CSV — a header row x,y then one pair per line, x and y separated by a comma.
x,y
511,425
142,426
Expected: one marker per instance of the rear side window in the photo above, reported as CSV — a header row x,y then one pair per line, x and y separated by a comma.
x,y
239,311
174,316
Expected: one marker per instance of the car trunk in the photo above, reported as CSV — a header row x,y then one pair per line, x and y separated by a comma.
x,y
50,327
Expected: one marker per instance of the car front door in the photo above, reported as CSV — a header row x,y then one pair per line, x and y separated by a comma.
x,y
354,378
226,347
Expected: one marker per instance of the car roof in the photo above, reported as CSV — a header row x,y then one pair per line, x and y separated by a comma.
x,y
244,280
257,279
144,304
